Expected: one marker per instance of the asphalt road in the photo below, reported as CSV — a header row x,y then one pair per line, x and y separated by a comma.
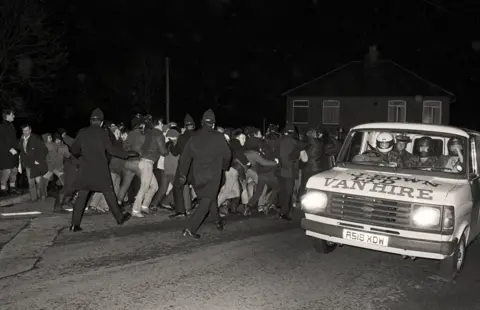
x,y
257,263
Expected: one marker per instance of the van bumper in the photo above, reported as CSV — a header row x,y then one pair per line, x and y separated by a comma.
x,y
396,244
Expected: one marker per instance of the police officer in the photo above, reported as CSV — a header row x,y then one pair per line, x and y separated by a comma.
x,y
91,147
208,155
181,192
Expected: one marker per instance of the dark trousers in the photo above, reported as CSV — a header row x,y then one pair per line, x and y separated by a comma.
x,y
271,182
133,189
178,197
286,194
205,207
81,204
162,181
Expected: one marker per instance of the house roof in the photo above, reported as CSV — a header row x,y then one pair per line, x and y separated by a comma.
x,y
354,79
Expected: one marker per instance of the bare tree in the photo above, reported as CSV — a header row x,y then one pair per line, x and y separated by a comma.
x,y
30,52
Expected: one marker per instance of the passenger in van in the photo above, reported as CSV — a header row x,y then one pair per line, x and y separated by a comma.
x,y
381,153
454,162
423,155
399,154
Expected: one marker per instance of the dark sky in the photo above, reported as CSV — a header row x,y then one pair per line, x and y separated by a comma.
x,y
237,57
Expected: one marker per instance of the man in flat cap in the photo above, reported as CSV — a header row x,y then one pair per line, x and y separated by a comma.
x,y
207,155
91,147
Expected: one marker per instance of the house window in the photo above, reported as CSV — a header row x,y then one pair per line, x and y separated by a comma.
x,y
331,112
432,112
300,111
397,111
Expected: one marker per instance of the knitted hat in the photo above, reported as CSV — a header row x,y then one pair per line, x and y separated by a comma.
x,y
172,133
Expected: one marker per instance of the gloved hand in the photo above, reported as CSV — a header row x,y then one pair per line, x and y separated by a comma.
x,y
133,154
182,179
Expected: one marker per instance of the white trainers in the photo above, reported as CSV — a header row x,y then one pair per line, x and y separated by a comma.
x,y
145,210
137,214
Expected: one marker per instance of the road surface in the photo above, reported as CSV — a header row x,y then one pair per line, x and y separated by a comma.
x,y
256,263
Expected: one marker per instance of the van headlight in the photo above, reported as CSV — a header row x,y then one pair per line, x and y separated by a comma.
x,y
314,202
426,216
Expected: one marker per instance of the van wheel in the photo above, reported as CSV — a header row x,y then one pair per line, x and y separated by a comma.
x,y
451,266
323,247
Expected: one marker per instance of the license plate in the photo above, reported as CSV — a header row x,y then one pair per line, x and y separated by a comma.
x,y
365,237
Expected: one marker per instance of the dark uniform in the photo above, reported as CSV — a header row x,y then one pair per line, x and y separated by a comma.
x,y
207,155
91,147
179,191
288,153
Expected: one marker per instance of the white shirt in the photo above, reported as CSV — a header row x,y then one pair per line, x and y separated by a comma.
x,y
161,163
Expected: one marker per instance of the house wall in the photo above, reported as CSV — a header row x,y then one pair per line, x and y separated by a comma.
x,y
359,110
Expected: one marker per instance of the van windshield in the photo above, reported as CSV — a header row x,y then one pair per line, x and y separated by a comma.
x,y
415,150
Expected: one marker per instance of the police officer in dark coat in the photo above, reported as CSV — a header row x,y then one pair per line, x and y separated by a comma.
x,y
91,147
289,149
207,155
179,188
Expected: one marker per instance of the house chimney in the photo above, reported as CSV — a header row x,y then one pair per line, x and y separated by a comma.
x,y
372,56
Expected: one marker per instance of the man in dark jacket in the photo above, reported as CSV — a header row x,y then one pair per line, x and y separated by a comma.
x,y
33,155
207,155
130,177
8,153
288,153
91,146
153,148
181,191
255,142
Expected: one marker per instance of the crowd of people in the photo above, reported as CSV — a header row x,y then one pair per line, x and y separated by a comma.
x,y
152,165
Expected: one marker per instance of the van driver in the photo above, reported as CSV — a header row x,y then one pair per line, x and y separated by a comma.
x,y
381,153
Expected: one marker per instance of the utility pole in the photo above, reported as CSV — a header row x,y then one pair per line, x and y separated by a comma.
x,y
167,92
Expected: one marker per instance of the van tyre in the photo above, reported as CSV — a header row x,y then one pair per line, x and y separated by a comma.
x,y
451,266
323,247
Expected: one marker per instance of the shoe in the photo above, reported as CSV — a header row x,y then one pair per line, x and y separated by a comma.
x,y
75,228
220,225
126,217
188,233
137,214
247,211
14,191
178,216
60,211
285,217
145,210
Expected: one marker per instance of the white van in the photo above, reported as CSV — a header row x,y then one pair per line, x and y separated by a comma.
x,y
421,202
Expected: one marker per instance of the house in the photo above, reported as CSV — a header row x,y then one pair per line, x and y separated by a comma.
x,y
366,91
